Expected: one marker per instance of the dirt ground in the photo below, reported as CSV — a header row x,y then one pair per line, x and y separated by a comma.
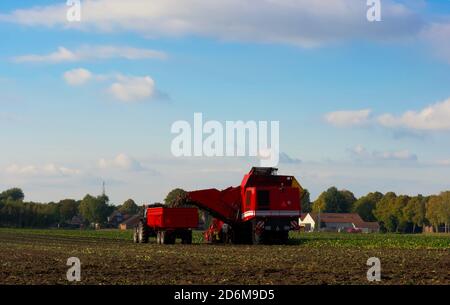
x,y
41,259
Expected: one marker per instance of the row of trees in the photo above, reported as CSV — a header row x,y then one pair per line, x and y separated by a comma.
x,y
395,213
15,212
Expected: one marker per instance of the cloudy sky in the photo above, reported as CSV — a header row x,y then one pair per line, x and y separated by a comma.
x,y
362,105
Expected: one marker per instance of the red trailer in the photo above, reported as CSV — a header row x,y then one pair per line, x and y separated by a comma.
x,y
167,224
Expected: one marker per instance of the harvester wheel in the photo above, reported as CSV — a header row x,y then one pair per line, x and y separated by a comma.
x,y
142,232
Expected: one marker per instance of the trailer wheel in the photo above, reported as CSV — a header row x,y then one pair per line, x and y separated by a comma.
x,y
142,232
187,237
170,237
164,238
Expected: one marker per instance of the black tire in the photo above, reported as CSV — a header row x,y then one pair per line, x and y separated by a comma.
x,y
189,238
170,237
186,237
142,232
167,237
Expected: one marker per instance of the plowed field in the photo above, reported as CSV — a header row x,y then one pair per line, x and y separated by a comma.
x,y
110,257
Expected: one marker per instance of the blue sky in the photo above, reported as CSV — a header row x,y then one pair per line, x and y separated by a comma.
x,y
363,106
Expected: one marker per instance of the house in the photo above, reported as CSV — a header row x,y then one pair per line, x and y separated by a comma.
x,y
116,218
130,223
370,227
336,222
76,222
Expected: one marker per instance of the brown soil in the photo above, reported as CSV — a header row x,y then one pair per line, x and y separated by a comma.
x,y
41,259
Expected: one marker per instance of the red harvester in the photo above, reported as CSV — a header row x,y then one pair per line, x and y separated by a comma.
x,y
263,209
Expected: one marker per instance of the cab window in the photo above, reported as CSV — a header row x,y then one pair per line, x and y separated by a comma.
x,y
263,200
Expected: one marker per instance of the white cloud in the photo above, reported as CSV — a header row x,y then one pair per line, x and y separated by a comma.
x,y
405,155
360,153
91,53
77,76
433,117
132,88
62,54
298,22
122,162
348,117
125,88
48,170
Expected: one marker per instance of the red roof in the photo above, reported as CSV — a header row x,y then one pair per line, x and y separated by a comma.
x,y
353,218
132,220
371,225
338,218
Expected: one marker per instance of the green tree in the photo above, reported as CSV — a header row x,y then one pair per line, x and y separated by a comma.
x,y
398,212
414,212
438,210
68,208
348,200
15,194
433,211
129,207
384,212
445,210
305,202
172,196
365,206
334,201
94,209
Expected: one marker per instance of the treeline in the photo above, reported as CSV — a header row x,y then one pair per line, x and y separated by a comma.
x,y
15,212
394,213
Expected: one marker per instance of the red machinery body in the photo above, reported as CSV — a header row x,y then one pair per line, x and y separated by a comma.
x,y
166,224
172,218
263,208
